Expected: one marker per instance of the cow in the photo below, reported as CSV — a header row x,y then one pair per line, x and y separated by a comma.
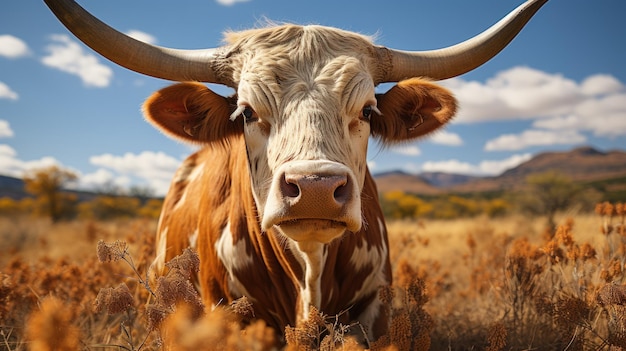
x,y
279,202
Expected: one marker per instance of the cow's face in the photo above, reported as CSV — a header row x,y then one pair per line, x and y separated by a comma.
x,y
306,111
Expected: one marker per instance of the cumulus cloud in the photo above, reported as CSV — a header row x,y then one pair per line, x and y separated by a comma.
x,y
449,166
142,36
486,167
552,101
446,138
408,150
517,93
533,137
12,166
68,56
5,129
230,2
13,47
155,168
7,93
101,179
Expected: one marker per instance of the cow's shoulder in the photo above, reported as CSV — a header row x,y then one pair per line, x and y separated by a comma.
x,y
202,181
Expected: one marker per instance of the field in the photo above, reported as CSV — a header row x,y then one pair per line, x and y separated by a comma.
x,y
466,284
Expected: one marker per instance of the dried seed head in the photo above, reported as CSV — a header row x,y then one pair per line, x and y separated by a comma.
x,y
497,337
612,294
554,251
587,252
111,252
243,307
156,314
50,328
115,300
188,263
564,235
174,287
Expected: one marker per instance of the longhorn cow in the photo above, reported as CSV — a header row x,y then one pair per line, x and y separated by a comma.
x,y
279,202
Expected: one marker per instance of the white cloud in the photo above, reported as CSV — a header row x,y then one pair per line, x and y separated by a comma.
x,y
449,166
7,93
491,167
230,2
68,56
95,181
142,36
561,108
155,168
446,138
5,129
601,84
533,137
595,105
12,166
517,93
486,167
408,150
13,47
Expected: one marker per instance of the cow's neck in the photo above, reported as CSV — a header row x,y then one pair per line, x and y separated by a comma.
x,y
313,256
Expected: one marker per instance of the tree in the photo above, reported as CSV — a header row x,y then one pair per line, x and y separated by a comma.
x,y
547,193
46,185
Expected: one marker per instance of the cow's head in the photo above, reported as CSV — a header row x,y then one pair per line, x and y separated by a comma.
x,y
305,103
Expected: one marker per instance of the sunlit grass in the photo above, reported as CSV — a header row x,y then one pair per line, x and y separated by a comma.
x,y
480,283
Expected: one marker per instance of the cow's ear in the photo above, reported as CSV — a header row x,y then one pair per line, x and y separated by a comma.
x,y
191,112
411,109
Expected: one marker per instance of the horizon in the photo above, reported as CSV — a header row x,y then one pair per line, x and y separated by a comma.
x,y
560,84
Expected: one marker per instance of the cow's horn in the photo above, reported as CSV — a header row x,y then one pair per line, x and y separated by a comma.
x,y
152,60
396,65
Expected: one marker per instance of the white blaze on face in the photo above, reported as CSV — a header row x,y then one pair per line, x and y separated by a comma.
x,y
308,132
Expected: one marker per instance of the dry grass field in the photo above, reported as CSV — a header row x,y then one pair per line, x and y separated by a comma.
x,y
467,284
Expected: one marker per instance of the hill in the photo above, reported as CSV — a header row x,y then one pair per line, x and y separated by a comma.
x,y
584,164
12,188
402,181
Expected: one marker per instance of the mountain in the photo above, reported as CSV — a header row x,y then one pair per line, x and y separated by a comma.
x,y
585,163
446,180
12,187
581,164
402,181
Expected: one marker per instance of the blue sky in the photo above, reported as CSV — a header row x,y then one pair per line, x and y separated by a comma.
x,y
560,84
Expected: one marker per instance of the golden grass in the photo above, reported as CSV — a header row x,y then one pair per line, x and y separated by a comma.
x,y
468,284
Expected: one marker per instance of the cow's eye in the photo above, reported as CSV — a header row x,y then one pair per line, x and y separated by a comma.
x,y
249,115
366,113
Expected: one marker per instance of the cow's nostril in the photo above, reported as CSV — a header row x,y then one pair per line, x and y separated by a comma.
x,y
342,193
289,187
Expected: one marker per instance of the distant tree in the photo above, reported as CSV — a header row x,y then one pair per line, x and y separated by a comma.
x,y
496,207
143,193
398,205
548,193
110,207
151,208
46,185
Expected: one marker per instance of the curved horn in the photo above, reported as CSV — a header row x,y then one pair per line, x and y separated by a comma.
x,y
152,60
461,58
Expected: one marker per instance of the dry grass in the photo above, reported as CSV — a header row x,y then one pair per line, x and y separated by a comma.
x,y
472,284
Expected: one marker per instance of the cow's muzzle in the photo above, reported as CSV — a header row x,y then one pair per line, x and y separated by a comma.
x,y
313,201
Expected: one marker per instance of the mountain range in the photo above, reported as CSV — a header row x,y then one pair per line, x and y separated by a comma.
x,y
583,164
